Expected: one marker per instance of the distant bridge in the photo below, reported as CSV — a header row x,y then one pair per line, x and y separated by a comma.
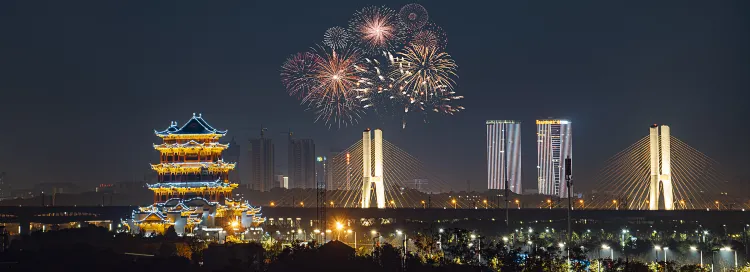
x,y
24,215
65,214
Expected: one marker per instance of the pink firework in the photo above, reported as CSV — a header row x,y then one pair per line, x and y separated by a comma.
x,y
297,73
377,29
333,97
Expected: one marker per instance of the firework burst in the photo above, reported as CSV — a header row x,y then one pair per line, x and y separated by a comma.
x,y
424,71
376,86
414,16
336,37
377,29
431,35
356,72
333,96
297,73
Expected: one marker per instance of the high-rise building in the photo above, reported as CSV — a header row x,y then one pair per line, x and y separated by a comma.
x,y
504,155
321,171
554,144
232,154
301,163
262,163
341,171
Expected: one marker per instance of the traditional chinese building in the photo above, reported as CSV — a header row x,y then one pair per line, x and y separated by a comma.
x,y
193,192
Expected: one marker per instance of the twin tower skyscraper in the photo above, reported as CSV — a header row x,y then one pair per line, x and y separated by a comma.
x,y
554,144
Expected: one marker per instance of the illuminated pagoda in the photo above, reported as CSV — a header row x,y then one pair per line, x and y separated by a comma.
x,y
193,192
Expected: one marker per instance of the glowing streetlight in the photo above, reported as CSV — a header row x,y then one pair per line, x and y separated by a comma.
x,y
694,248
518,203
373,232
424,204
581,202
393,203
485,203
454,203
234,224
611,251
505,239
339,226
332,205
398,232
614,202
302,204
273,203
726,248
549,203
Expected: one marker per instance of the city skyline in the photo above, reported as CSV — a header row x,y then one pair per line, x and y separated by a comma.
x,y
128,73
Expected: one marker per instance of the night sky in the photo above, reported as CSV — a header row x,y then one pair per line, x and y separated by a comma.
x,y
84,83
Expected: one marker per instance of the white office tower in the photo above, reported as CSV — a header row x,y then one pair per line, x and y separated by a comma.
x,y
554,144
665,175
504,155
369,180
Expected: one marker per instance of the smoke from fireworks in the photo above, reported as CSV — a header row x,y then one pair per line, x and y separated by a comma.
x,y
377,29
388,62
336,37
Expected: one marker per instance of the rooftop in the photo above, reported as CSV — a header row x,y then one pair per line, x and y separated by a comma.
x,y
195,126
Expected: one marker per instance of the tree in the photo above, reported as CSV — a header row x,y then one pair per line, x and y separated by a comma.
x,y
170,234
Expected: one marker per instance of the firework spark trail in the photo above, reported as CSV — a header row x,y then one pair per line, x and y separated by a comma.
x,y
418,77
297,73
336,38
430,35
377,29
414,16
336,75
426,77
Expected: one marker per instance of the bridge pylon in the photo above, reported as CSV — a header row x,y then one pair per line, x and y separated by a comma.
x,y
660,173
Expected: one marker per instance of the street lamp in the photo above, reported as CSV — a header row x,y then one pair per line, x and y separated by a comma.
x,y
694,248
611,251
530,243
614,202
581,202
302,204
549,203
518,203
393,203
273,204
479,246
440,239
355,238
424,205
339,227
485,203
726,248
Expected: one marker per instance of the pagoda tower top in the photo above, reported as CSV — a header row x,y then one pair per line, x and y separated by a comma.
x,y
196,127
